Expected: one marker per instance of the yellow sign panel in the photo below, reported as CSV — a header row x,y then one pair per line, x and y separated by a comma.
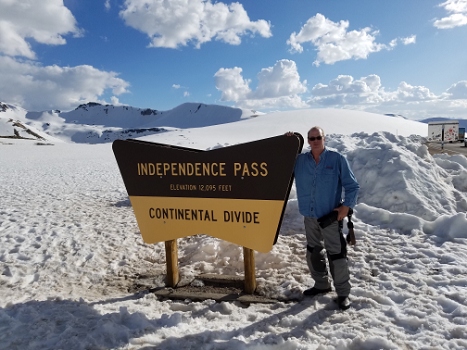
x,y
235,193
245,222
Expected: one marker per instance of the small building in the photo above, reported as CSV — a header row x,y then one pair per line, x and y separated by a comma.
x,y
446,131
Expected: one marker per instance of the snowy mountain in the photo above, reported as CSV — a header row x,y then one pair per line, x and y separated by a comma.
x,y
96,123
93,123
13,124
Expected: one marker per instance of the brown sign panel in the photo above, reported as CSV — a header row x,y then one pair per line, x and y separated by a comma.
x,y
235,193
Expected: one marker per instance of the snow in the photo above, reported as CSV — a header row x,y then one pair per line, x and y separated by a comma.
x,y
71,252
95,123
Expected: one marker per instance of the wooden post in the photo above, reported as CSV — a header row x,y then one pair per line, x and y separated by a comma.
x,y
171,257
249,262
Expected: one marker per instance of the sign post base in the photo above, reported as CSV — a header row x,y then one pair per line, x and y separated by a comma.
x,y
250,277
171,256
173,275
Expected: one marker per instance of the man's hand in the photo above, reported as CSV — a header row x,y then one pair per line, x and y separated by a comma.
x,y
342,212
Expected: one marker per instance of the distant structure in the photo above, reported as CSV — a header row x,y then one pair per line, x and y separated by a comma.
x,y
444,131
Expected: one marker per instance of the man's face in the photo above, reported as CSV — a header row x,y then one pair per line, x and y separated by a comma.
x,y
316,139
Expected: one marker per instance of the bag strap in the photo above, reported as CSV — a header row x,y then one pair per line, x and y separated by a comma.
x,y
351,235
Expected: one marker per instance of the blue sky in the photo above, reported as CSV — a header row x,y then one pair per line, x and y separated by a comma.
x,y
401,57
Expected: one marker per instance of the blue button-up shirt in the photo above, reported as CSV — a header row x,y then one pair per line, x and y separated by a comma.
x,y
322,187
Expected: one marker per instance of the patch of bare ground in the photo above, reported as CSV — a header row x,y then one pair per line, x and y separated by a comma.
x,y
447,148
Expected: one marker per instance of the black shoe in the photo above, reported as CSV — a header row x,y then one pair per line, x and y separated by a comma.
x,y
343,302
315,291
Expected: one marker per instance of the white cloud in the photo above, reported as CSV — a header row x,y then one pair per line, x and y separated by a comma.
x,y
368,93
457,17
333,42
115,101
455,6
35,87
280,80
176,23
458,91
345,84
455,20
393,43
232,85
282,102
345,91
107,5
278,87
186,93
405,41
409,93
45,21
409,40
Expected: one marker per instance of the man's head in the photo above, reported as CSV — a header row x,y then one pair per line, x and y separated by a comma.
x,y
316,138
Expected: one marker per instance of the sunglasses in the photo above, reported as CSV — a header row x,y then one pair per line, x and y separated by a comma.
x,y
312,138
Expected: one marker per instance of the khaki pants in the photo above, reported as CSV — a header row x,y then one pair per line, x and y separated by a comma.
x,y
331,242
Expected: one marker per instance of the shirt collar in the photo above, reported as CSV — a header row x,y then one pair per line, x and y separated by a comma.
x,y
323,154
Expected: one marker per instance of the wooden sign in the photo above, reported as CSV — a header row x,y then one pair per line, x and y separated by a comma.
x,y
235,193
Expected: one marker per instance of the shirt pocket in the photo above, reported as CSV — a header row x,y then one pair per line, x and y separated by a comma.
x,y
329,175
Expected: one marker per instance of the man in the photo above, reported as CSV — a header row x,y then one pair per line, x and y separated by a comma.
x,y
320,177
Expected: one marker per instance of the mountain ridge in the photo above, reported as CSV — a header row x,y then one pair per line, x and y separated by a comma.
x,y
97,123
93,123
